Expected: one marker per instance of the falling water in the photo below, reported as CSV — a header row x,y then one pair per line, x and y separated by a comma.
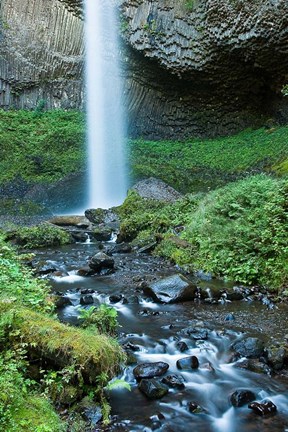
x,y
106,160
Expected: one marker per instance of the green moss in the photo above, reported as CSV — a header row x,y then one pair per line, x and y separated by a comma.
x,y
41,236
238,231
196,164
41,147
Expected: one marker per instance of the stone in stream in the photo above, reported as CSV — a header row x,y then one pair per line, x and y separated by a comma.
x,y
194,408
86,300
188,363
101,261
152,388
250,347
175,381
182,346
173,289
102,233
196,333
150,370
263,408
62,301
242,397
276,356
85,271
115,298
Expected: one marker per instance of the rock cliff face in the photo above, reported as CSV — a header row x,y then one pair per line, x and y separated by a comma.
x,y
41,54
205,67
192,67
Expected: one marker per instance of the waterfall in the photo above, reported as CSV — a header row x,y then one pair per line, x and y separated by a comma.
x,y
105,120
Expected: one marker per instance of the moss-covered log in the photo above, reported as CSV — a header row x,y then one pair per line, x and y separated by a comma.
x,y
61,345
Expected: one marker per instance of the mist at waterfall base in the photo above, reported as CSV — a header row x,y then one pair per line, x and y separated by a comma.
x,y
107,173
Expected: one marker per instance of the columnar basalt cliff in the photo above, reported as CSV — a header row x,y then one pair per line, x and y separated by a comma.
x,y
41,54
191,67
208,67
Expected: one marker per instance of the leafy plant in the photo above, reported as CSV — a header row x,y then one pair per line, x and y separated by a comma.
x,y
41,236
104,319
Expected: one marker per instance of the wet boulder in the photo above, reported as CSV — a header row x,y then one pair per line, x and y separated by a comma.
x,y
62,301
85,271
263,408
152,388
276,356
86,300
250,347
78,221
172,289
102,233
150,370
120,248
194,408
242,397
182,346
101,261
188,363
174,381
254,365
196,333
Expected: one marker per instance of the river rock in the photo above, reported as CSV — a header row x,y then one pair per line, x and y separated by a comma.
x,y
79,221
101,261
196,333
242,397
152,388
79,236
250,347
119,248
175,381
254,365
85,271
62,301
276,356
263,408
182,346
194,408
156,189
172,289
115,298
86,300
150,370
187,363
102,233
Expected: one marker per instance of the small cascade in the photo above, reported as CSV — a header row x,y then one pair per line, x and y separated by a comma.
x,y
105,119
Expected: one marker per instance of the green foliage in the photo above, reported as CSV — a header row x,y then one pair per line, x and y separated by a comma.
x,y
104,319
284,90
22,410
42,146
17,283
41,236
238,231
196,164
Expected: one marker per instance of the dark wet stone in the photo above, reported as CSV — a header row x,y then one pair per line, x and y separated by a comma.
x,y
43,268
250,347
131,346
196,333
133,300
263,408
86,291
276,356
150,370
102,233
79,236
101,261
194,408
207,366
187,363
90,411
115,298
85,271
172,289
175,381
242,397
86,300
120,248
182,346
254,365
148,247
152,388
62,301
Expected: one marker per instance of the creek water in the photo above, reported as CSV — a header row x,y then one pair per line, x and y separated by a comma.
x,y
107,176
154,331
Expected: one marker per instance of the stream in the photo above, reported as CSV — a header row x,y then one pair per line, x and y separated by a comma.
x,y
156,333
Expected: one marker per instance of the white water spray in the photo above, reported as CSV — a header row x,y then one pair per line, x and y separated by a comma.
x,y
106,160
